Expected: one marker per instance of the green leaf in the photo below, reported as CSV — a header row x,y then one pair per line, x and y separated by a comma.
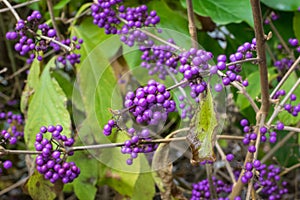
x,y
224,11
253,89
47,107
41,189
119,175
144,187
203,129
290,5
168,17
32,83
85,184
296,25
61,4
79,12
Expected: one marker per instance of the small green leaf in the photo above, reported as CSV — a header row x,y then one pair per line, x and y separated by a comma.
x,y
203,130
290,5
296,24
41,189
61,4
224,11
84,185
47,107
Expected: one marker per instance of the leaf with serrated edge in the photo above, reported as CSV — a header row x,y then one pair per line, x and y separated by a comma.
x,y
47,107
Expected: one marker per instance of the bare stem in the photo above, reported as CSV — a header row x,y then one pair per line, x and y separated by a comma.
x,y
192,27
56,42
242,61
228,167
50,8
261,54
210,181
18,5
113,145
287,170
12,10
285,77
274,29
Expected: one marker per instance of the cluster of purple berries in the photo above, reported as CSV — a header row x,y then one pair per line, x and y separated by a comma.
x,y
273,17
291,107
284,60
244,51
73,58
13,132
51,162
133,146
193,64
150,104
109,15
201,190
158,59
268,180
138,17
33,45
15,129
105,15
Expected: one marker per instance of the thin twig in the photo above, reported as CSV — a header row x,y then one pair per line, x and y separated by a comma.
x,y
242,61
50,8
3,70
213,194
18,5
13,186
243,91
288,128
280,106
192,27
274,29
12,10
270,53
56,42
285,77
228,167
287,170
112,145
18,72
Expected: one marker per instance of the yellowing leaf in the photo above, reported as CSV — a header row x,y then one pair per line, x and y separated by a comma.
x,y
203,130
